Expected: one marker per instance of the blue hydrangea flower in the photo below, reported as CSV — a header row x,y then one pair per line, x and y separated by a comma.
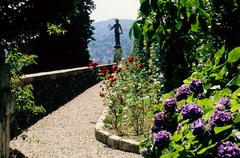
x,y
162,138
146,153
223,104
155,128
196,86
159,117
191,111
220,118
228,150
170,104
179,127
198,126
182,93
158,122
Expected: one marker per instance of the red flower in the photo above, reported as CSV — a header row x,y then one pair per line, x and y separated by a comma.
x,y
114,68
119,69
102,94
131,59
112,77
139,66
93,64
104,70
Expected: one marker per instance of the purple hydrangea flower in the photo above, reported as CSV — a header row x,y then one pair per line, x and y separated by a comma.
x,y
191,111
159,117
223,104
182,93
198,126
162,138
155,128
170,104
158,121
228,150
146,152
196,86
179,127
220,118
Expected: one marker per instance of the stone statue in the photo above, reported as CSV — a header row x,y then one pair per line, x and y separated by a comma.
x,y
117,30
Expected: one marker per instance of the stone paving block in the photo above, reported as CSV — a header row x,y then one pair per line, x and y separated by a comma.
x,y
113,141
129,145
102,135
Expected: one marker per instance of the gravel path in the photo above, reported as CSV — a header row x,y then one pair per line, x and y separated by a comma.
x,y
68,132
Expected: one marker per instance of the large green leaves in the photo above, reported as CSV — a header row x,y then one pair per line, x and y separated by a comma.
x,y
234,55
136,30
145,7
222,129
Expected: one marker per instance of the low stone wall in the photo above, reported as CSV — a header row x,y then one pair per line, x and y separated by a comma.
x,y
54,89
112,140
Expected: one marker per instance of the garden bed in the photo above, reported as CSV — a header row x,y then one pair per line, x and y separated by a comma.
x,y
110,138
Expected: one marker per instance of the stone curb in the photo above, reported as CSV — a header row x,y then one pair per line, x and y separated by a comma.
x,y
114,141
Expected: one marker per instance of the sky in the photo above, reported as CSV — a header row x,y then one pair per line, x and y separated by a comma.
x,y
121,9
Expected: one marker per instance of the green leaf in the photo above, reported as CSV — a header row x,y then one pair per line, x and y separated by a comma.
x,y
237,119
136,30
221,129
207,115
178,26
221,74
204,13
170,154
195,27
236,93
218,55
234,55
145,7
183,2
142,1
205,102
234,105
237,81
207,148
177,136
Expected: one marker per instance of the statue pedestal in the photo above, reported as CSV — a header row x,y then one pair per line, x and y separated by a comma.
x,y
117,54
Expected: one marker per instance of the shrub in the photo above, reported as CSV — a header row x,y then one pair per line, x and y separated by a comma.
x,y
203,129
25,109
130,93
208,117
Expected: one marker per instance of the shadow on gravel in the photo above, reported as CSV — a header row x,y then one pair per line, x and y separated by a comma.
x,y
52,94
16,154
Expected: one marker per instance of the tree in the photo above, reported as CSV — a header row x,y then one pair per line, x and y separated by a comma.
x,y
57,31
168,33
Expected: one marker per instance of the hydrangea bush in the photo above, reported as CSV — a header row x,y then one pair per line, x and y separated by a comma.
x,y
206,126
206,115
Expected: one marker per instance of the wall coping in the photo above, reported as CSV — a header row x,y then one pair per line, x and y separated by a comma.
x,y
28,78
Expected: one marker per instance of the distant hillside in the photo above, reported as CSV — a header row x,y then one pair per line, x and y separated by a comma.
x,y
102,49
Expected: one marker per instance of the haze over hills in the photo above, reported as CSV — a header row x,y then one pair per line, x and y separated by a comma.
x,y
102,49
